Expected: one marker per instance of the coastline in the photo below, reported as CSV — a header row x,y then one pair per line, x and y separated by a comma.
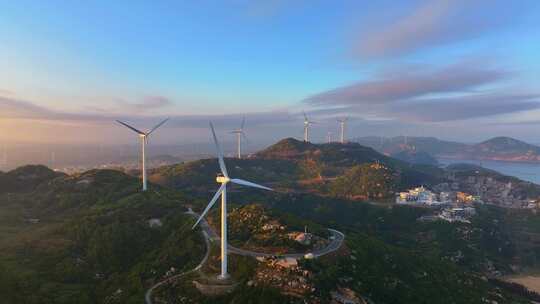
x,y
530,281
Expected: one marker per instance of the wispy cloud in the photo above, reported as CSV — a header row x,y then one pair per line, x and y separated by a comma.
x,y
432,23
4,92
460,108
148,103
455,92
405,85
20,109
13,108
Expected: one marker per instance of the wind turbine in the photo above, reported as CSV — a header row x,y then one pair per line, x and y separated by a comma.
x,y
223,179
307,123
239,134
144,140
342,123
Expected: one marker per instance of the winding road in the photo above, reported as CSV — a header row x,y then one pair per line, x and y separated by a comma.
x,y
336,242
148,295
210,235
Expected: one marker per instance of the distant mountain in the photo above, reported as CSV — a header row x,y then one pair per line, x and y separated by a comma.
x,y
505,148
397,144
497,148
416,157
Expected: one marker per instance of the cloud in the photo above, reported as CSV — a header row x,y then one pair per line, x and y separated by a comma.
x,y
438,110
461,108
406,85
6,92
13,108
147,104
20,109
433,23
456,92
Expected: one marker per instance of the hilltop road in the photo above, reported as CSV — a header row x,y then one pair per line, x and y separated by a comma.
x,y
148,295
336,240
209,234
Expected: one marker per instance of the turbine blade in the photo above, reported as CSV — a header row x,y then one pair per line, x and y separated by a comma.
x,y
210,204
305,116
249,184
219,152
243,123
157,126
245,137
130,127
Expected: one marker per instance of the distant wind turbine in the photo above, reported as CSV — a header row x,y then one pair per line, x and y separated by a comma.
x,y
239,135
307,124
144,140
342,123
223,179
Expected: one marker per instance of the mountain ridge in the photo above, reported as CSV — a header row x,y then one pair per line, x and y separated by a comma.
x,y
500,148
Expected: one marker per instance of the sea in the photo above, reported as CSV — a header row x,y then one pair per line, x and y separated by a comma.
x,y
522,170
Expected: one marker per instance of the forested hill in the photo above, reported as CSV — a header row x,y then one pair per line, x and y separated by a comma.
x,y
82,238
95,237
290,161
26,178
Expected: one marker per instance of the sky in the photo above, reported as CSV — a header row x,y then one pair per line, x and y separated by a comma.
x,y
454,69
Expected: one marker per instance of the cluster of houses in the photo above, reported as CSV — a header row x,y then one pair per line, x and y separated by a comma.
x,y
453,206
421,196
285,274
496,191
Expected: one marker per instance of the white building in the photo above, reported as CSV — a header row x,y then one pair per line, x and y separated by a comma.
x,y
418,196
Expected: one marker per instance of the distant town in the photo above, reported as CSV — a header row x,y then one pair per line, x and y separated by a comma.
x,y
455,200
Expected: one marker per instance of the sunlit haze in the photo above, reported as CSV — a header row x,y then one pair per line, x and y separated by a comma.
x,y
460,70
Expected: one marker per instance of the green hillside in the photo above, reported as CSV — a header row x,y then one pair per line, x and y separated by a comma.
x,y
95,237
87,239
296,165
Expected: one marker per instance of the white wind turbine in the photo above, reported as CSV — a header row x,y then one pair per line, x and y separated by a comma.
x,y
144,140
239,134
307,124
342,123
223,179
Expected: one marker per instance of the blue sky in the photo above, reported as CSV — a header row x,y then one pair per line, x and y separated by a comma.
x,y
430,68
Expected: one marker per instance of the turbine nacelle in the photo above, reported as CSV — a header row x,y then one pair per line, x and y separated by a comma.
x,y
144,139
222,179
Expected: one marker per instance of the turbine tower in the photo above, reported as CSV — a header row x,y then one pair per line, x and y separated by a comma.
x,y
307,124
239,134
342,123
144,140
223,179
